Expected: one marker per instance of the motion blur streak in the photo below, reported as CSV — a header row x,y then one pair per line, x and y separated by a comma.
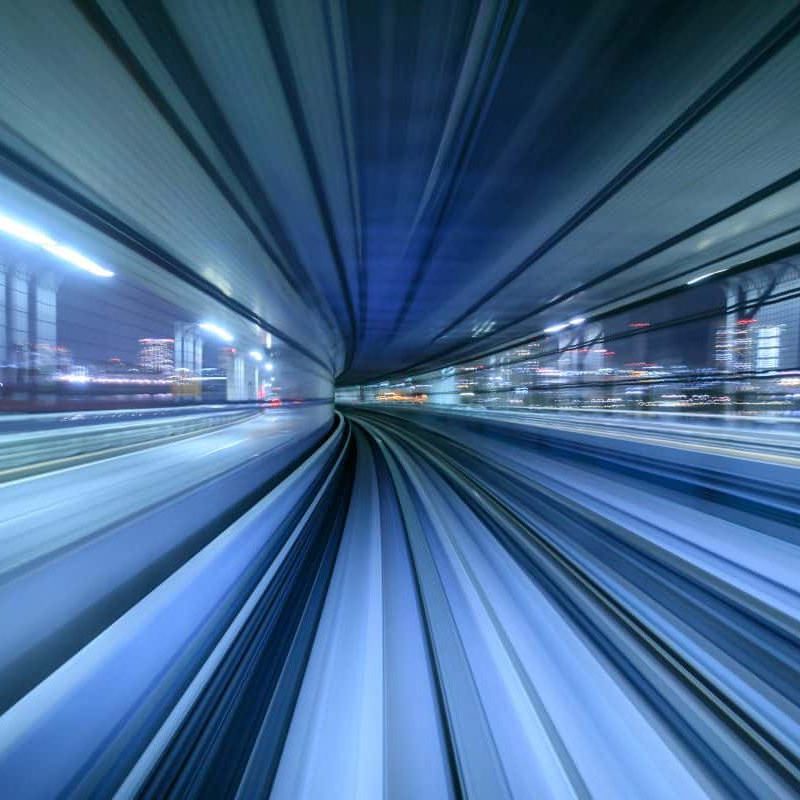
x,y
439,606
400,399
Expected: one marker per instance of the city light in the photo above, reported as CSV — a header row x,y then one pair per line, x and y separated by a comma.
x,y
483,329
116,379
256,356
39,238
220,333
269,366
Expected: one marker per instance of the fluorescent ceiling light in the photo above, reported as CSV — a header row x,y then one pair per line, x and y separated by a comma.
x,y
77,259
707,275
39,238
217,331
24,232
556,328
577,321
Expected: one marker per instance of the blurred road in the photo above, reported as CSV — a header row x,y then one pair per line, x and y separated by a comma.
x,y
430,605
48,512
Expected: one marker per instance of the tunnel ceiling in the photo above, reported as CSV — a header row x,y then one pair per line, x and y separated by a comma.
x,y
400,184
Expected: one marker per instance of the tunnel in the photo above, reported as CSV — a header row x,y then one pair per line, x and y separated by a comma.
x,y
399,399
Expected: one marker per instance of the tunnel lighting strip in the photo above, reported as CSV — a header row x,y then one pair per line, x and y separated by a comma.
x,y
221,333
25,233
564,325
699,278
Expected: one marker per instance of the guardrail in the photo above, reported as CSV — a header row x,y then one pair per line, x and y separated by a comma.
x,y
34,452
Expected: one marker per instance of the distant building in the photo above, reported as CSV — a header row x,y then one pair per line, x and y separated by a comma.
x,y
747,346
232,363
188,349
768,347
27,319
116,366
733,346
64,361
157,355
762,329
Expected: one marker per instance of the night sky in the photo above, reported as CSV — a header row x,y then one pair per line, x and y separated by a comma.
x,y
98,319
687,343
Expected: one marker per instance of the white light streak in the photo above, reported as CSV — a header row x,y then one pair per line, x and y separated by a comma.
x,y
707,275
220,333
26,233
21,231
77,259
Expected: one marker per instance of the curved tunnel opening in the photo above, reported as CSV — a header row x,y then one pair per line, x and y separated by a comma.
x,y
399,399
